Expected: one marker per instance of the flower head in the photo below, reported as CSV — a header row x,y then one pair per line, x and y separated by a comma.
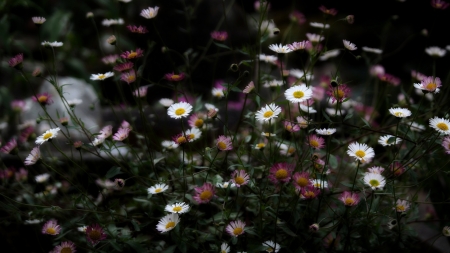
x,y
204,193
439,4
400,112
124,66
219,35
33,157
102,77
326,131
135,29
291,127
376,169
372,50
329,54
65,247
314,38
268,112
429,84
280,48
280,173
121,134
350,46
401,206
235,228
374,180
43,98
441,125
349,198
319,25
16,61
301,180
95,234
180,207
298,93
224,248
272,247
179,110
331,11
224,143
315,141
48,135
110,22
51,227
52,44
360,151
435,51
249,87
128,77
240,177
299,45
157,188
141,92
132,54
338,93
38,20
150,12
446,144
110,59
9,147
174,77
387,141
446,231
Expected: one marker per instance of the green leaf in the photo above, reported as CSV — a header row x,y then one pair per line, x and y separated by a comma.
x,y
170,249
222,45
326,116
333,161
137,246
348,116
287,230
113,172
365,122
155,161
135,225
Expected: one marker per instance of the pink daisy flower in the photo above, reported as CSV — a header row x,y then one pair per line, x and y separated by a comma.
x,y
224,143
429,84
95,234
33,157
349,198
397,169
10,146
338,93
315,141
128,77
16,61
43,98
439,4
291,127
331,11
389,79
299,45
135,29
446,144
174,77
197,120
65,247
123,66
51,227
110,59
301,180
309,192
239,177
298,17
219,35
204,193
180,139
132,54
280,173
236,228
121,134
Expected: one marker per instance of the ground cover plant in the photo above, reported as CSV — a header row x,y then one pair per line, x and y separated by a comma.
x,y
224,126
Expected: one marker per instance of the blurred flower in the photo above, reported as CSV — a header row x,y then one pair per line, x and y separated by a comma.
x,y
128,77
429,84
291,127
225,185
400,112
47,136
280,173
239,178
224,143
132,54
169,145
286,150
174,77
350,46
326,131
217,92
272,247
435,52
314,38
338,93
280,48
21,175
329,54
179,110
249,87
135,29
446,231
166,102
38,20
9,147
319,25
193,134
439,4
51,227
349,198
43,98
350,19
331,11
180,207
101,76
196,120
150,12
110,59
95,234
64,121
157,188
319,183
372,50
16,61
296,16
315,141
401,206
121,134
219,35
111,40
298,93
65,247
376,169
33,157
204,193
268,112
110,22
374,180
446,144
141,92
52,44
298,45
74,102
235,228
224,248
441,125
389,79
268,58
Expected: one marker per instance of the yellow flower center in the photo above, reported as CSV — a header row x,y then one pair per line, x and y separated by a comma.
x,y
205,195
298,94
42,99
398,114
131,78
191,136
270,249
221,145
260,145
431,86
170,224
180,111
291,150
181,139
101,77
309,194
314,143
237,231
268,114
288,127
95,235
47,136
177,208
339,94
50,231
442,126
158,190
132,55
302,182
239,180
175,77
198,123
349,201
374,183
281,174
360,153
401,208
66,250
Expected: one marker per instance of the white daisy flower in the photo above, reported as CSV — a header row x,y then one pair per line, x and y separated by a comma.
x,y
329,54
177,208
168,222
102,76
435,51
441,125
307,109
110,22
150,12
287,150
157,188
38,20
52,44
225,185
166,102
74,102
218,93
384,140
360,151
179,110
280,48
268,112
97,141
298,93
326,131
297,73
268,58
224,248
169,145
350,46
211,107
48,135
33,157
42,178
272,83
372,50
319,25
271,246
401,206
400,112
193,134
374,180
319,183
314,38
